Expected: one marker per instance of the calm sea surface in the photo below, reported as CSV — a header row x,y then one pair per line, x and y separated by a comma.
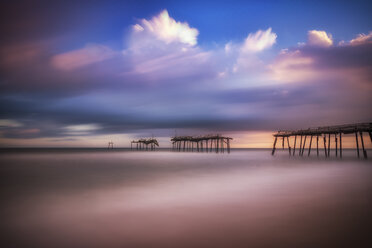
x,y
119,198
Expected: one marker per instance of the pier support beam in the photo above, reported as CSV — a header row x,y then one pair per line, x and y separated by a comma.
x,y
357,143
317,145
311,140
364,150
325,146
294,145
329,144
303,147
273,151
336,144
340,145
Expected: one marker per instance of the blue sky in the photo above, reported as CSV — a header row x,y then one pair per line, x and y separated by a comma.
x,y
76,73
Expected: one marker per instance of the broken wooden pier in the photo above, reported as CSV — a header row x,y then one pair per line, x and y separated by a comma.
x,y
206,143
110,145
144,144
325,134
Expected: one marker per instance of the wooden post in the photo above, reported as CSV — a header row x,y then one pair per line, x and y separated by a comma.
x,y
222,146
336,144
364,150
370,136
340,145
273,151
303,147
317,145
325,146
357,143
228,145
294,146
289,147
311,140
299,149
218,144
329,144
283,142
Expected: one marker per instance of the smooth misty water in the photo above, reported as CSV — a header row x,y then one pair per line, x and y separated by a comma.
x,y
119,198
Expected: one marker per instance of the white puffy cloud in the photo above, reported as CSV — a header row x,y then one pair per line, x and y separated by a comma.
x,y
319,38
161,49
165,28
362,39
256,42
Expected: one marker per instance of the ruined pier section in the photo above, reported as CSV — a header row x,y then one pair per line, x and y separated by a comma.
x,y
144,144
110,145
208,143
325,135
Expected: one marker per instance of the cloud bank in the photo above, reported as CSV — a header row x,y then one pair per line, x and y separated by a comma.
x,y
162,80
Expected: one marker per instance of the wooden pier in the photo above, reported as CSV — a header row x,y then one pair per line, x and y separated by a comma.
x,y
206,143
144,144
110,145
326,134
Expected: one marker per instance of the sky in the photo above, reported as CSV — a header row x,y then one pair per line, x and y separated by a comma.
x,y
82,73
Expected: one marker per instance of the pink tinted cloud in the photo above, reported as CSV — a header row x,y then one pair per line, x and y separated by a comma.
x,y
88,55
319,59
29,131
19,54
362,39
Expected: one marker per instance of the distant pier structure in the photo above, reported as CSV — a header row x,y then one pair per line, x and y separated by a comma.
x,y
206,143
325,134
144,144
110,145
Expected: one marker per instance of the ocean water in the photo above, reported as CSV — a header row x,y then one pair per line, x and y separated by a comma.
x,y
121,198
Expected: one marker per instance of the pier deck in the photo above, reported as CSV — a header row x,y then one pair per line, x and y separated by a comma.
x,y
144,144
201,143
326,133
